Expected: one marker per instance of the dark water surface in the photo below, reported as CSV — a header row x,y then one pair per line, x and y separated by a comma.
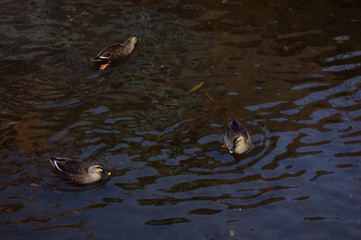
x,y
290,70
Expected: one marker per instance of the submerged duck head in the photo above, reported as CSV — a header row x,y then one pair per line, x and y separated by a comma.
x,y
237,139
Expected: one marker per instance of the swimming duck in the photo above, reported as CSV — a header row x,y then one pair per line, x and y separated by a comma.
x,y
237,138
115,52
78,171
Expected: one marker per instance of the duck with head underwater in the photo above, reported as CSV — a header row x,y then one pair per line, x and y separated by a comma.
x,y
237,139
115,52
77,171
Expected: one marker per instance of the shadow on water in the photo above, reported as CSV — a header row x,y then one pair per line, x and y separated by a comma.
x,y
289,70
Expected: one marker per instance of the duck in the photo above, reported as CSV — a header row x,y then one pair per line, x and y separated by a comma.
x,y
78,171
115,52
237,139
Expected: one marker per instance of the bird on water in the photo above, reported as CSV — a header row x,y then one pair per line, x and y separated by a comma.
x,y
115,52
237,139
78,171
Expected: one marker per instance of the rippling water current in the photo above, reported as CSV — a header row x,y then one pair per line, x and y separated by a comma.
x,y
289,70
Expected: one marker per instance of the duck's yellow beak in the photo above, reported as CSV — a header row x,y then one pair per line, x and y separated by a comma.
x,y
231,152
109,173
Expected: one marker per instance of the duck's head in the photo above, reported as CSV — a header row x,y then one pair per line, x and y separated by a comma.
x,y
241,145
132,41
98,169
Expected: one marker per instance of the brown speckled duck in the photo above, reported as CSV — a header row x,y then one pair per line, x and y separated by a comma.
x,y
237,139
77,171
115,52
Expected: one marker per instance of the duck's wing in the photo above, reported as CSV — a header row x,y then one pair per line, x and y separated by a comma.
x,y
108,52
69,166
57,161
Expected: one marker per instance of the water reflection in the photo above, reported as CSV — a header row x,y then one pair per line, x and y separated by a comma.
x,y
289,70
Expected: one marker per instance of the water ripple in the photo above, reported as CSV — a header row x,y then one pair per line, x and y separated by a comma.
x,y
289,71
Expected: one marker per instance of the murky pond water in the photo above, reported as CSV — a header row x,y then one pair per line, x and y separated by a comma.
x,y
289,70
